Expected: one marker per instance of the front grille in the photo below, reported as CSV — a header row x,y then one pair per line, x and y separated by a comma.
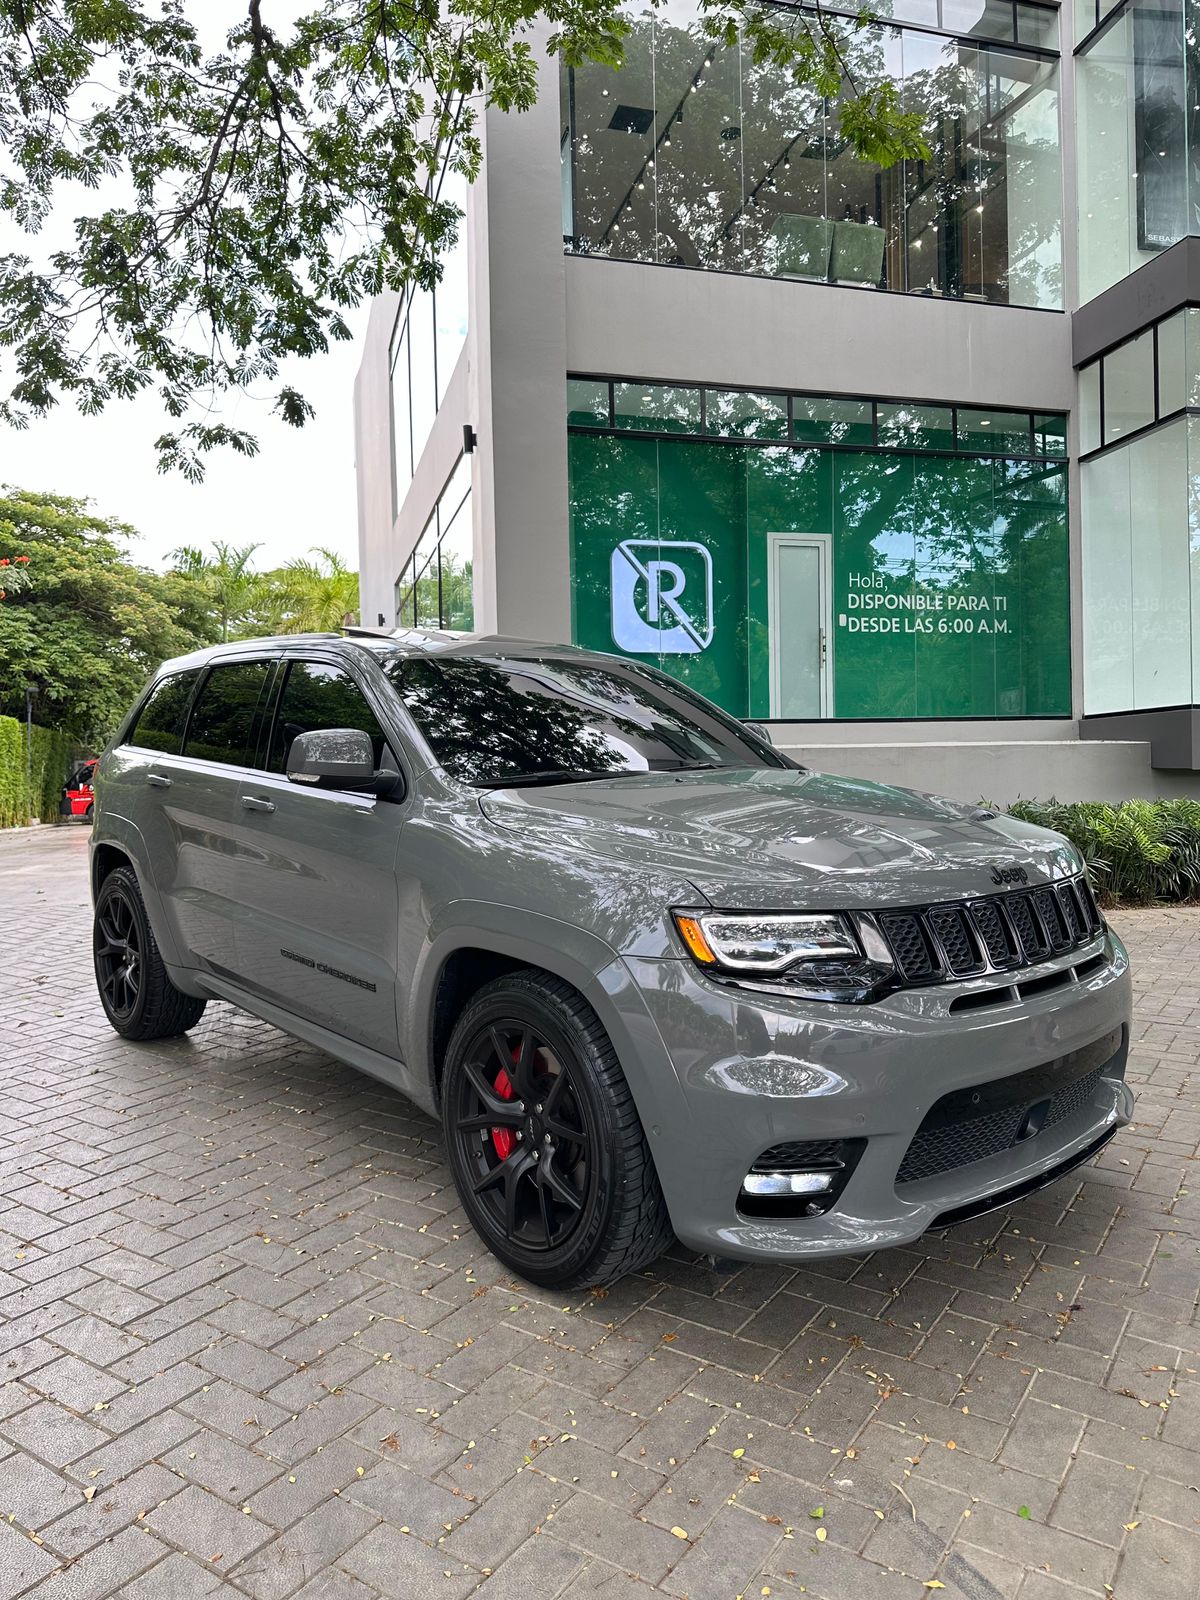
x,y
972,1124
801,1155
943,942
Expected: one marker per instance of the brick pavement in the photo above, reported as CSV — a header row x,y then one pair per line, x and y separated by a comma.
x,y
248,1348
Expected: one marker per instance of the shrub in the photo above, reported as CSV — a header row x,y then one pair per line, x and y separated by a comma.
x,y
51,752
1138,852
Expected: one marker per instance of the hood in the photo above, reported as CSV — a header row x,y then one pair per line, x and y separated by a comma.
x,y
774,840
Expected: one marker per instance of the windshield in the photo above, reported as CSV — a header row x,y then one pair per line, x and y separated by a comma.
x,y
495,720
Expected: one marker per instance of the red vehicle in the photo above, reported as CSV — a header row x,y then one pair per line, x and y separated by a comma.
x,y
77,795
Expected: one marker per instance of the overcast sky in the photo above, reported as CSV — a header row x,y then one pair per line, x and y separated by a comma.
x,y
299,490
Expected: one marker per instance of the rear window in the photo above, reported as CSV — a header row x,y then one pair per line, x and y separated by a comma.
x,y
159,724
221,726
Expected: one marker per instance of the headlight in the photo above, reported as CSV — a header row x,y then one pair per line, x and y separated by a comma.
x,y
767,944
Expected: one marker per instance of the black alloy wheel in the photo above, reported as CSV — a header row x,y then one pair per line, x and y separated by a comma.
x,y
135,988
543,1137
523,1134
118,952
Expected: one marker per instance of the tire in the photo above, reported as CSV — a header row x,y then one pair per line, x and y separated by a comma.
x,y
551,1163
138,997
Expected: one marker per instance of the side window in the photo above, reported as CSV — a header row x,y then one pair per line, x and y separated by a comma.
x,y
159,724
221,725
319,696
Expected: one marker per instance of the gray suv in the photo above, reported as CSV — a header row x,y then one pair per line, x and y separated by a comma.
x,y
653,977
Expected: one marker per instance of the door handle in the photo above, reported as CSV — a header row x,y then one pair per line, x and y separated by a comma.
x,y
158,780
253,802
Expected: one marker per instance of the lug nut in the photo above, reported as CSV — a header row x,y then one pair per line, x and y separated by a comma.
x,y
538,1109
535,1155
520,1135
545,1138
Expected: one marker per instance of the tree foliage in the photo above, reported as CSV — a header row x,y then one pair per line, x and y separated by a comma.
x,y
249,193
90,625
313,594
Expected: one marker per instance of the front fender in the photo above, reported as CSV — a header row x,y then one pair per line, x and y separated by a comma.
x,y
576,956
119,833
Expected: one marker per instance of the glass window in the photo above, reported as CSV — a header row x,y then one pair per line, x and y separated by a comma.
x,y
737,415
1037,26
318,695
992,19
1172,364
699,155
1129,387
997,433
1137,587
221,726
422,371
1137,144
402,457
587,402
159,724
450,293
820,421
1049,435
656,408
456,557
912,427
1089,408
494,721
425,569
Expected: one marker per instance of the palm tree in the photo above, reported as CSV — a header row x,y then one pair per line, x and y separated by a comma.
x,y
316,595
226,577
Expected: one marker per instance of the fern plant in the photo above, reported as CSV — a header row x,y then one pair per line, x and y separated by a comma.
x,y
1137,853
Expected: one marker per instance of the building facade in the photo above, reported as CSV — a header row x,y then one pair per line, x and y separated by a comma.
x,y
901,462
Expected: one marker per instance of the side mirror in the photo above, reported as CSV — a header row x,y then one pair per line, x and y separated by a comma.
x,y
332,758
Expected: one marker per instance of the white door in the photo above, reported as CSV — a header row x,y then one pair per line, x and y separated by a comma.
x,y
800,621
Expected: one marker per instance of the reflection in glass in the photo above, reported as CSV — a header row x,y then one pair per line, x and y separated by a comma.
x,y
1139,137
699,156
914,427
820,421
587,402
740,415
1129,387
656,408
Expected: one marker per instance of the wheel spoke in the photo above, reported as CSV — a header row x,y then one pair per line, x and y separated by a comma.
x,y
498,1109
522,1069
510,1117
545,1208
549,1177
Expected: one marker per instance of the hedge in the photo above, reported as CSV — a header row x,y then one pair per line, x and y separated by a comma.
x,y
51,755
1138,853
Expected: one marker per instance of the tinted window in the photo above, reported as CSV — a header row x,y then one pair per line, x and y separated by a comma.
x,y
221,726
159,724
320,696
490,719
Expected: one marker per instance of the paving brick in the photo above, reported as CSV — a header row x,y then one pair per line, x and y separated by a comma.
x,y
222,1288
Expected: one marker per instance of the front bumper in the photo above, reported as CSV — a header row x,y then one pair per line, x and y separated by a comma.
x,y
753,1070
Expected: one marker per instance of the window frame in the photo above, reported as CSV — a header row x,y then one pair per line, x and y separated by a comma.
x,y
376,703
265,694
128,734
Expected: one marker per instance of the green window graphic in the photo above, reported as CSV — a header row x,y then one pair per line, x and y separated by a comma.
x,y
790,582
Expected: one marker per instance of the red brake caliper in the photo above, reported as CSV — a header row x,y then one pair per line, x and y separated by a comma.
x,y
502,1138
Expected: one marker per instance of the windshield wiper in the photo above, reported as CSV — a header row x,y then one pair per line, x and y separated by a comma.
x,y
527,780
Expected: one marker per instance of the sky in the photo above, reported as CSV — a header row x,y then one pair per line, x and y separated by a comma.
x,y
299,491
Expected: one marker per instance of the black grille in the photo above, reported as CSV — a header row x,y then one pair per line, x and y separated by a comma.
x,y
1033,942
910,943
972,1124
952,931
996,933
801,1155
1003,931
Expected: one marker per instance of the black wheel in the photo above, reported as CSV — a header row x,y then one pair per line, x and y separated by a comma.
x,y
544,1140
138,998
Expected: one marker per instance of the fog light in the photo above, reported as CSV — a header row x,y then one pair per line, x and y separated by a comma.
x,y
783,1183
